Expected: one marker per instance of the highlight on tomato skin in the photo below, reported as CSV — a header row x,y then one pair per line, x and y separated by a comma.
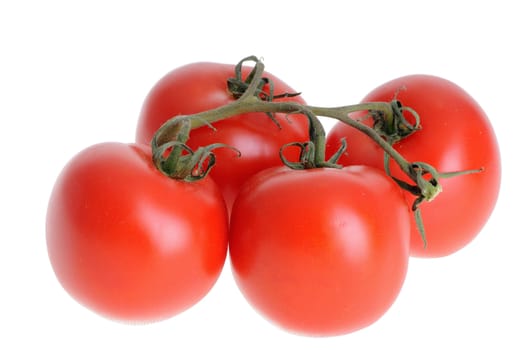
x,y
128,242
320,252
455,135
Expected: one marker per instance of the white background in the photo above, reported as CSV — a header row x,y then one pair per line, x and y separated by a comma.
x,y
75,73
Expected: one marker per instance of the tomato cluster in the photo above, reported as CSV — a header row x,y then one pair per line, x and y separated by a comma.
x,y
321,250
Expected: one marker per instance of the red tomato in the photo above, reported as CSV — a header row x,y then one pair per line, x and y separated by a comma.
x,y
322,251
130,243
203,86
456,135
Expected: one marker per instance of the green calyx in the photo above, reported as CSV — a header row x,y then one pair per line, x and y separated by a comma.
x,y
394,126
183,163
175,159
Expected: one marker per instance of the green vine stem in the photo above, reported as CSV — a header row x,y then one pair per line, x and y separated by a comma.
x,y
389,127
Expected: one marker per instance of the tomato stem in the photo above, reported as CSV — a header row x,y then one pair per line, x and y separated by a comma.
x,y
389,127
250,100
342,115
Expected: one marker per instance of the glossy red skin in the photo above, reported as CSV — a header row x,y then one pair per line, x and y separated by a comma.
x,y
130,243
456,135
202,86
320,252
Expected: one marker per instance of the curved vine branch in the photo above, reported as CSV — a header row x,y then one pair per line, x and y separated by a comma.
x,y
389,127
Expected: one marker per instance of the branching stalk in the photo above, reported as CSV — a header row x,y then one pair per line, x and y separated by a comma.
x,y
389,127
